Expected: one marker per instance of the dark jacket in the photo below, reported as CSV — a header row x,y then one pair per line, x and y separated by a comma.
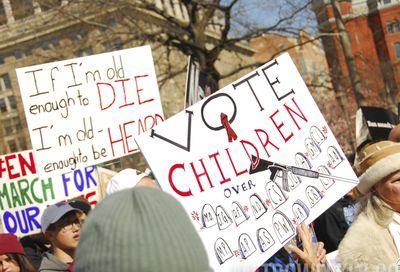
x,y
331,226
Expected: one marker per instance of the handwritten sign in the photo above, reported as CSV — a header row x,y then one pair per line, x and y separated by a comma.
x,y
24,194
250,163
88,110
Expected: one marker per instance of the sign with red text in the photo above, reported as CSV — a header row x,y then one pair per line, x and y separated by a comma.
x,y
24,194
249,163
88,110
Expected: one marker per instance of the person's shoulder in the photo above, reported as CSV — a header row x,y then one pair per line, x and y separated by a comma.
x,y
364,246
51,264
362,230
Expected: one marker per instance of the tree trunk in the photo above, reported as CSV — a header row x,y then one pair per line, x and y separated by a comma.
x,y
348,55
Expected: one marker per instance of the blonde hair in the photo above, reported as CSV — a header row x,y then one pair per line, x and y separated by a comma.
x,y
374,207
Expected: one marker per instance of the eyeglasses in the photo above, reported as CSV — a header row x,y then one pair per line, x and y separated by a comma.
x,y
68,225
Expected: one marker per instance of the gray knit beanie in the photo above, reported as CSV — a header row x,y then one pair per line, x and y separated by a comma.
x,y
140,229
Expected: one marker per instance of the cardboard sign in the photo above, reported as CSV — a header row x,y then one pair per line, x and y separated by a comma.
x,y
373,124
24,194
88,110
250,163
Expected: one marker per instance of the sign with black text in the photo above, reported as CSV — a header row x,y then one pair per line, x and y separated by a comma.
x,y
88,110
249,163
373,124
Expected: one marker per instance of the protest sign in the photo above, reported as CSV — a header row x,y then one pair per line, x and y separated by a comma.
x,y
373,124
250,163
88,110
24,194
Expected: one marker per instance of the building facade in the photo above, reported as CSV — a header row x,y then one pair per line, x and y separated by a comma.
x,y
374,33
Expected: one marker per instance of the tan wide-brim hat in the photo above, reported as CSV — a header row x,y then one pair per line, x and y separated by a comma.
x,y
375,162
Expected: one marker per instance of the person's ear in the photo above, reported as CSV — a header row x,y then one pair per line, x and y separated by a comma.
x,y
49,235
374,189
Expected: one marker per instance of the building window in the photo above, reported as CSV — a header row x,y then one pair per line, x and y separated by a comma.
x,y
385,2
45,45
8,127
117,44
28,51
51,43
3,18
17,123
17,54
22,144
3,106
389,27
109,24
12,126
55,42
397,48
12,145
77,35
84,52
5,82
21,8
49,4
112,22
396,27
113,45
12,102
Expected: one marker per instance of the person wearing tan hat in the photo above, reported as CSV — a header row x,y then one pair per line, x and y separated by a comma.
x,y
373,241
12,255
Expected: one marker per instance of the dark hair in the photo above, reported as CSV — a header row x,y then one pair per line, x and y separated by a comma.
x,y
54,226
80,203
23,262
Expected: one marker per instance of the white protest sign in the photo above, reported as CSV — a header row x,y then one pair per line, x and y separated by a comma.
x,y
88,110
250,163
24,194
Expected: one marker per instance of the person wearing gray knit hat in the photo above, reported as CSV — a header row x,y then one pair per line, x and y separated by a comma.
x,y
140,229
373,241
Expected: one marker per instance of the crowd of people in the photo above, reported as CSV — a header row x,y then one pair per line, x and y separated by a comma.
x,y
138,227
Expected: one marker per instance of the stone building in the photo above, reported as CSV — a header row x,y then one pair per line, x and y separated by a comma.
x,y
32,33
